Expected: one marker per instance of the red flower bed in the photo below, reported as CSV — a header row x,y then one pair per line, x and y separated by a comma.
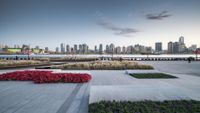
x,y
46,77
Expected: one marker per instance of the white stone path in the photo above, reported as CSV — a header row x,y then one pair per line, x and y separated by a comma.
x,y
116,85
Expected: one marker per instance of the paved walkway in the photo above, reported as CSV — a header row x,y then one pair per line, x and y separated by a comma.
x,y
27,97
116,85
176,67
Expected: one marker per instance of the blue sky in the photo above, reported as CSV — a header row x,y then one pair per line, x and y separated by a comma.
x,y
122,22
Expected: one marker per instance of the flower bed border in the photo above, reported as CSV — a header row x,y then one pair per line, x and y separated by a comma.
x,y
45,77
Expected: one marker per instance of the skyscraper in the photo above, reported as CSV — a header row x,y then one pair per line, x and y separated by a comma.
x,y
181,40
112,48
107,48
181,47
123,49
118,49
176,47
80,48
62,47
95,49
158,46
67,49
46,49
75,48
85,48
170,47
57,49
100,49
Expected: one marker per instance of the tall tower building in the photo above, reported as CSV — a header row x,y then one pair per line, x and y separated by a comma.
x,y
67,49
100,49
57,49
158,46
75,48
95,49
181,40
112,48
170,47
62,47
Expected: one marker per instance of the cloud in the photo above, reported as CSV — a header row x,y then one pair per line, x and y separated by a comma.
x,y
159,16
127,32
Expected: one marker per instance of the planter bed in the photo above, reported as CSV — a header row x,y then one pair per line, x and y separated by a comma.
x,y
45,77
172,106
151,75
103,65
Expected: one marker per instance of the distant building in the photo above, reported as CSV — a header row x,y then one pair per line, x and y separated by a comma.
x,y
192,48
80,48
68,49
158,46
129,50
124,50
176,47
112,48
57,49
170,47
75,48
85,48
95,49
181,40
62,47
46,49
37,47
182,47
100,49
107,48
118,50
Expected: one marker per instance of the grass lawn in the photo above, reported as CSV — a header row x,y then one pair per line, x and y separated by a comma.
x,y
151,75
176,106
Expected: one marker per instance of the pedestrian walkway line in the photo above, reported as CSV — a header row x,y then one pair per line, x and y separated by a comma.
x,y
66,105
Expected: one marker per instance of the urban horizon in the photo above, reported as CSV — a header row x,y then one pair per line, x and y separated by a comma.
x,y
172,48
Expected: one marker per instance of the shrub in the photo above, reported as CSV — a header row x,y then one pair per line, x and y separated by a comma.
x,y
101,65
45,77
172,106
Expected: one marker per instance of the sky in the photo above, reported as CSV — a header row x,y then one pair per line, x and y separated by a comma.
x,y
48,23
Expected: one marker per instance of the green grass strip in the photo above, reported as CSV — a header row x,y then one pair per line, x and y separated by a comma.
x,y
151,75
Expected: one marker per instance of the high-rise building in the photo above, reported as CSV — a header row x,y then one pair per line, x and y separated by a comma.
x,y
100,49
68,49
118,50
57,49
182,47
129,50
85,48
46,49
181,40
124,50
95,49
158,46
62,47
107,48
37,47
80,48
75,48
170,47
112,48
176,47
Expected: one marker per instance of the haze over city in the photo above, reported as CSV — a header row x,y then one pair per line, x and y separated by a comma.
x,y
48,23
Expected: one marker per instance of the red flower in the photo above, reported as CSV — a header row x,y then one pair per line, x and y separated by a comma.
x,y
46,77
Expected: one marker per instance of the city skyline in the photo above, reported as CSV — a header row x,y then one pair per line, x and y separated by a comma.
x,y
172,48
48,23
